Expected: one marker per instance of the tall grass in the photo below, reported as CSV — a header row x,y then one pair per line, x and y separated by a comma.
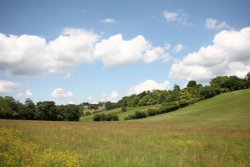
x,y
210,133
35,143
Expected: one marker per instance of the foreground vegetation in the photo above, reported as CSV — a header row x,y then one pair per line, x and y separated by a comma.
x,y
213,132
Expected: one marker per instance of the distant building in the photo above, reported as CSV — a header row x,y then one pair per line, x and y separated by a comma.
x,y
86,105
101,106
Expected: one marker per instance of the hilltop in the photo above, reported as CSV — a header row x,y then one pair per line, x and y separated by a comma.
x,y
231,107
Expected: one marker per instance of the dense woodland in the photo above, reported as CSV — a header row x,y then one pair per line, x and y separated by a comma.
x,y
170,100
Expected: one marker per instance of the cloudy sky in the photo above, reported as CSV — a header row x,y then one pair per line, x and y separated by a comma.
x,y
99,50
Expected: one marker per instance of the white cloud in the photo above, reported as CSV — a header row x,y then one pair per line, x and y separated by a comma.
x,y
108,20
148,85
177,16
170,16
155,54
32,55
229,54
27,94
7,86
116,51
113,97
59,93
216,24
178,48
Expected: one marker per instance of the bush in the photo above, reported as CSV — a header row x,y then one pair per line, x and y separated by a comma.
x,y
140,114
152,112
137,115
105,117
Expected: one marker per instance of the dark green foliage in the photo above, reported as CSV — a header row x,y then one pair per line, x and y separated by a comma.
x,y
105,117
9,108
191,84
28,110
208,92
152,112
47,110
71,112
109,105
137,115
230,83
248,80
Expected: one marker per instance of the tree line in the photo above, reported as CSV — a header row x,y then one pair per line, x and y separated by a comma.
x,y
193,92
46,110
169,101
174,99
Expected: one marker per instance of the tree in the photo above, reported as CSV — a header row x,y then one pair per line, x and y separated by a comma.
x,y
175,94
185,97
248,80
47,110
208,92
235,83
29,109
191,84
72,112
221,83
6,111
109,105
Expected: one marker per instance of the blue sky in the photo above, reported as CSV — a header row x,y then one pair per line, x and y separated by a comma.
x,y
99,50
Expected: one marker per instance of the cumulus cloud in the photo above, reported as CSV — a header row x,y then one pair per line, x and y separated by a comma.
x,y
27,94
229,54
59,93
176,16
216,24
32,55
148,85
7,86
113,97
108,20
116,51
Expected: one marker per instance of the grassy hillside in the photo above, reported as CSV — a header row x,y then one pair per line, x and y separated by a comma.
x,y
119,113
214,132
232,107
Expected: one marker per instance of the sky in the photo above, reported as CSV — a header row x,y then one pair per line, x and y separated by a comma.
x,y
74,51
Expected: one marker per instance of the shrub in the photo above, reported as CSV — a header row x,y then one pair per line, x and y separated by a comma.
x,y
140,114
152,112
105,117
137,115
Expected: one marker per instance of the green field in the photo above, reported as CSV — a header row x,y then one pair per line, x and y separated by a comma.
x,y
213,132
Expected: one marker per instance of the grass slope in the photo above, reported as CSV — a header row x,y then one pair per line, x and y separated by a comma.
x,y
214,132
232,107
